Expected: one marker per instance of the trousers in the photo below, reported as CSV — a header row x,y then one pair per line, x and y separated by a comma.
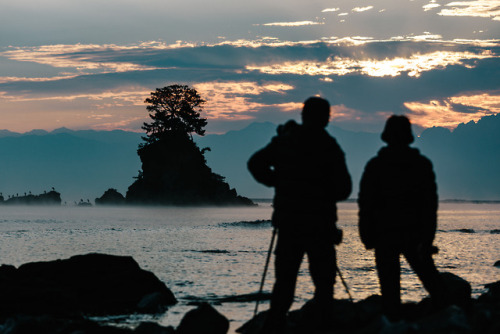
x,y
388,269
292,245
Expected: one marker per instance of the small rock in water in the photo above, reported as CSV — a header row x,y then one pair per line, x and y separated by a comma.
x,y
466,230
203,320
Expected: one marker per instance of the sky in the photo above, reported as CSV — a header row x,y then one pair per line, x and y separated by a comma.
x,y
87,64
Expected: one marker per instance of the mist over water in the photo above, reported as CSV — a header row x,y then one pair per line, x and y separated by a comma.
x,y
212,253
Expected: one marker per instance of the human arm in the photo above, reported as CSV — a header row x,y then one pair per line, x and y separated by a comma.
x,y
343,182
367,202
429,203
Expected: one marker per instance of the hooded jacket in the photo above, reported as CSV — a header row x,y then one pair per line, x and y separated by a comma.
x,y
398,199
306,167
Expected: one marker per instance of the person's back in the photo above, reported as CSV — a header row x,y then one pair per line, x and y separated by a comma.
x,y
399,193
398,212
307,168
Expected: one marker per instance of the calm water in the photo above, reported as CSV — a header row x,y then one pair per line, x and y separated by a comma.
x,y
208,253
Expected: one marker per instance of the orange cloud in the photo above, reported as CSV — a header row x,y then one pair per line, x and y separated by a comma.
x,y
445,113
228,100
413,65
120,109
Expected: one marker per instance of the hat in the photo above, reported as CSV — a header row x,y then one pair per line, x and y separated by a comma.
x,y
397,130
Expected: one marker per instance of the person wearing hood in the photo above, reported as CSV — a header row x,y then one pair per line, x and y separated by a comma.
x,y
398,205
307,169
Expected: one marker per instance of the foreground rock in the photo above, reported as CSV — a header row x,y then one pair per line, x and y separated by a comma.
x,y
203,320
463,315
23,324
93,284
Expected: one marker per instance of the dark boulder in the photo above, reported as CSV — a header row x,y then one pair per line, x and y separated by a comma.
x,y
203,320
459,291
493,293
94,284
153,328
497,264
452,319
366,316
76,324
28,324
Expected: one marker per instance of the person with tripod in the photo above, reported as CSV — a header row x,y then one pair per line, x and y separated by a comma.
x,y
307,169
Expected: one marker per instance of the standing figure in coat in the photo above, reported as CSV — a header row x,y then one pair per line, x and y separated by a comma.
x,y
398,205
307,169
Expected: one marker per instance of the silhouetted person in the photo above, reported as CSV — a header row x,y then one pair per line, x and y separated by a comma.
x,y
398,205
307,168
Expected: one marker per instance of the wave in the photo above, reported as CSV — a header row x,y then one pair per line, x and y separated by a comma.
x,y
248,223
244,298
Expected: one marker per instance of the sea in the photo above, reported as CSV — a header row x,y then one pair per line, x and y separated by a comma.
x,y
215,253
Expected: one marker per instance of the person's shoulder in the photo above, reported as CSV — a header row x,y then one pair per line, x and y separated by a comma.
x,y
328,137
420,157
380,159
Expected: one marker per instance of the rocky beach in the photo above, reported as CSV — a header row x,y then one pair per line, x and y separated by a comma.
x,y
62,296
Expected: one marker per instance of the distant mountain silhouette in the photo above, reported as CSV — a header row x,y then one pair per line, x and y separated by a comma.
x,y
79,164
466,161
83,164
231,151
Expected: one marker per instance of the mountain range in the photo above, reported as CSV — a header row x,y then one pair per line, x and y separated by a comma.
x,y
83,164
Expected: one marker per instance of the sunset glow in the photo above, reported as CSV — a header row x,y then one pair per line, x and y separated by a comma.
x,y
252,63
413,66
230,100
448,113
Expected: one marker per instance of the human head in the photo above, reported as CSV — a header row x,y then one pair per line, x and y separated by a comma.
x,y
316,112
397,131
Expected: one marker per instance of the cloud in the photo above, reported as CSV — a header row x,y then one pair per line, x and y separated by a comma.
x,y
448,113
431,6
292,24
81,58
232,100
252,80
330,10
413,65
362,9
478,8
